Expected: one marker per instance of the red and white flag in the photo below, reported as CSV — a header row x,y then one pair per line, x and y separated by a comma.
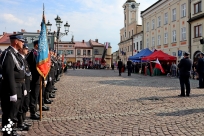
x,y
158,65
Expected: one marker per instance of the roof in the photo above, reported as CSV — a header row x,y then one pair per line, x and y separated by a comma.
x,y
161,56
93,43
5,38
196,17
130,1
151,6
82,45
142,53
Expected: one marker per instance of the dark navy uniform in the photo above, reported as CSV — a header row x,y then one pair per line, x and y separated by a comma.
x,y
35,83
120,65
13,83
185,66
129,66
200,70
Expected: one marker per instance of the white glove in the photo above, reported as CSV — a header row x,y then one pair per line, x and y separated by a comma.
x,y
50,78
29,91
45,83
13,98
25,92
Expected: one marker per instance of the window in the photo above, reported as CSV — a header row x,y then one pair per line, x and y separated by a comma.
x,y
128,48
89,52
147,26
125,16
125,34
159,21
183,33
197,7
70,52
183,10
70,46
78,52
48,40
198,31
165,38
159,39
137,46
140,45
153,24
121,38
147,43
129,34
166,18
96,51
134,46
60,51
84,52
174,15
153,42
174,36
132,32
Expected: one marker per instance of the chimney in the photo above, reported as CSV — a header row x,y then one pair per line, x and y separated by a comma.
x,y
96,40
82,41
22,30
14,32
38,31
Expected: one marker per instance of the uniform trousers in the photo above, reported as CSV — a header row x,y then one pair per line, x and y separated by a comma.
x,y
185,83
34,94
119,70
129,71
201,80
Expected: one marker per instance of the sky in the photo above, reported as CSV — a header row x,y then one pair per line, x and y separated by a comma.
x,y
88,19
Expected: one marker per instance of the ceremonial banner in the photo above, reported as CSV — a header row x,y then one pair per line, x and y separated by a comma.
x,y
43,62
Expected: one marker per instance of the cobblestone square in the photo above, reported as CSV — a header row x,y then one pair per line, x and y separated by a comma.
x,y
100,103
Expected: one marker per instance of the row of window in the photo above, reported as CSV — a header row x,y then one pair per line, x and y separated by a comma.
x,y
183,14
124,36
137,46
71,52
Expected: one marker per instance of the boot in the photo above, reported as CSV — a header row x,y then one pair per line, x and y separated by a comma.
x,y
20,124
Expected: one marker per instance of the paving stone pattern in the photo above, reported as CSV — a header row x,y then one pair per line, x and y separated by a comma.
x,y
100,103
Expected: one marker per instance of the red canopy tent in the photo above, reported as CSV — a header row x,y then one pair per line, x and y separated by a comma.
x,y
161,56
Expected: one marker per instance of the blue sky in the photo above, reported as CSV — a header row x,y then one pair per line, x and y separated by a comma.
x,y
89,19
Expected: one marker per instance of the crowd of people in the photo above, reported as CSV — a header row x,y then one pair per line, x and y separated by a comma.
x,y
20,83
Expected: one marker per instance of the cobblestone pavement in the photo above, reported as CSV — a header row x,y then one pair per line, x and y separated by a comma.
x,y
100,103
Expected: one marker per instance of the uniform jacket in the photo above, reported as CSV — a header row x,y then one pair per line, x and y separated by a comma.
x,y
185,66
120,64
12,70
200,66
129,64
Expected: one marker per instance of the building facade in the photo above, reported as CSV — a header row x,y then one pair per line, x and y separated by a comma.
x,y
4,41
115,57
165,26
137,42
131,27
196,23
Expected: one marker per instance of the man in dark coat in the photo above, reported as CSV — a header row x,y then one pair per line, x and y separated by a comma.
x,y
200,70
13,81
129,66
185,66
120,65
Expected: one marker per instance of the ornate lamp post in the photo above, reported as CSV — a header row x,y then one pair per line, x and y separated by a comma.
x,y
58,34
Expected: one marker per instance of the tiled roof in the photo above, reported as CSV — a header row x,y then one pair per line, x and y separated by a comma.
x,y
82,44
93,43
5,39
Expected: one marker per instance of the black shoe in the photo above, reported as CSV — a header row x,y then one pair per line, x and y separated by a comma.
x,y
34,117
51,100
187,95
51,96
23,127
181,95
55,88
45,108
27,124
47,102
14,133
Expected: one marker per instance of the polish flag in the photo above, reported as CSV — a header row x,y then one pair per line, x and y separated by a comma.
x,y
158,65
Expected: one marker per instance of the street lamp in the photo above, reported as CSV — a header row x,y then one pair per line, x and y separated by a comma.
x,y
58,24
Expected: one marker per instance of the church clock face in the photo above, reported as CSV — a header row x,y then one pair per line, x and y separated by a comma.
x,y
133,6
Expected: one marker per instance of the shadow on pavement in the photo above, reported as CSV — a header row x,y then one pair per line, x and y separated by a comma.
x,y
182,112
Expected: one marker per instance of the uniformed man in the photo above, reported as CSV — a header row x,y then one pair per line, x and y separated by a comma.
x,y
13,81
200,70
185,66
129,66
35,83
120,65
25,99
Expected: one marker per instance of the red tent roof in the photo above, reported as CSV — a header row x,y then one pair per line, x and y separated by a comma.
x,y
160,55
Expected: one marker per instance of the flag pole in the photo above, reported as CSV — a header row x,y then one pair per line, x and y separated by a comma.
x,y
40,106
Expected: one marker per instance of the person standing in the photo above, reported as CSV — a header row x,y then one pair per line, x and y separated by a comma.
x,y
173,69
200,70
13,81
129,66
120,65
35,83
185,66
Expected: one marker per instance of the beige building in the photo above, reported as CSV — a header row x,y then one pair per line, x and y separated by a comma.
x,y
165,26
196,24
115,57
4,41
131,27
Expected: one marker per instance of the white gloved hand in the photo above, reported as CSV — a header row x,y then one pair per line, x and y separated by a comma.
x,y
25,92
29,91
50,78
45,83
13,98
